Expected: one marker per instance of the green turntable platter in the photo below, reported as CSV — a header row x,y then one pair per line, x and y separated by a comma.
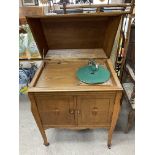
x,y
92,74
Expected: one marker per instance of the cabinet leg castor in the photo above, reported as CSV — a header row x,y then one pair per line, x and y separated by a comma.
x,y
109,146
47,144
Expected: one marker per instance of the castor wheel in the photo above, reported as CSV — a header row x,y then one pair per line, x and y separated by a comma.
x,y
46,144
109,146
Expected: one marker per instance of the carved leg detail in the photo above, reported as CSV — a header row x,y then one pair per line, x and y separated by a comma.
x,y
114,117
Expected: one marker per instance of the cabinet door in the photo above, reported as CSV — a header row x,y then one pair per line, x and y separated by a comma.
x,y
94,110
56,110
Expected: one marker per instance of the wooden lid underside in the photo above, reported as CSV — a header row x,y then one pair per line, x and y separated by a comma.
x,y
74,32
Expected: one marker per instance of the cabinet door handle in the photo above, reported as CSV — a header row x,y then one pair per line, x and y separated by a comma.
x,y
72,111
78,111
94,111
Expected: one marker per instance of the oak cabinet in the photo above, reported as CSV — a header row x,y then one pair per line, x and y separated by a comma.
x,y
66,43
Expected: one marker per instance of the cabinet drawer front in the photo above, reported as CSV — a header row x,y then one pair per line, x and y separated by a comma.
x,y
56,110
95,110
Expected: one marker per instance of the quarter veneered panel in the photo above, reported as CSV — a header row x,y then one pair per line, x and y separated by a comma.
x,y
94,110
56,110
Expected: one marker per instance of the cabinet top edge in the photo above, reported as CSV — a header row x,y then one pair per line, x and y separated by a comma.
x,y
48,90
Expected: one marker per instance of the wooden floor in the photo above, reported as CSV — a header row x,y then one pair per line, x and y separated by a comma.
x,y
68,142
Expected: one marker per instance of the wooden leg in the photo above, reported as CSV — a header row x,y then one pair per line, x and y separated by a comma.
x,y
130,121
35,113
42,131
114,117
133,117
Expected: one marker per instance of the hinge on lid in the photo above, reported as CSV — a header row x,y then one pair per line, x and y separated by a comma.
x,y
43,54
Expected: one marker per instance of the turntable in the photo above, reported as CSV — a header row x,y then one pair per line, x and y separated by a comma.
x,y
93,73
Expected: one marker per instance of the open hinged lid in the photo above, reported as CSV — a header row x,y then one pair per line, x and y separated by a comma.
x,y
75,32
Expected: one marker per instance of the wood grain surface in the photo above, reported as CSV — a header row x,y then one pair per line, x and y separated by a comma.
x,y
84,31
60,54
62,75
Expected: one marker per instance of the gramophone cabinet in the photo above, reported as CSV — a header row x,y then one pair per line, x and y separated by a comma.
x,y
58,98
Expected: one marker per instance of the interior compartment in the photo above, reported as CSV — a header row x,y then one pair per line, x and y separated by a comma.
x,y
74,32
